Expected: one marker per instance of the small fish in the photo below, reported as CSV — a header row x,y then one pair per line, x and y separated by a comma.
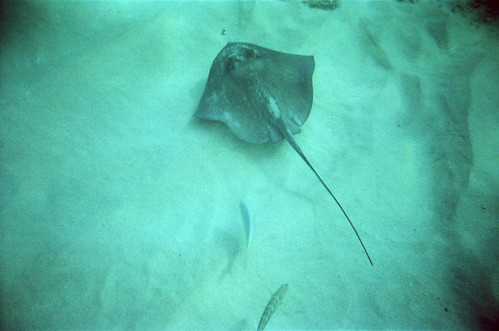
x,y
271,307
248,227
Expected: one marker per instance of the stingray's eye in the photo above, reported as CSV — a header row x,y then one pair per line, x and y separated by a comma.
x,y
232,63
249,53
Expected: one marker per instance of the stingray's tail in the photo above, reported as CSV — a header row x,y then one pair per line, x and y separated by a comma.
x,y
297,148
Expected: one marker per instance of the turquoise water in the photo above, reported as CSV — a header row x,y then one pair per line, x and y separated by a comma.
x,y
119,210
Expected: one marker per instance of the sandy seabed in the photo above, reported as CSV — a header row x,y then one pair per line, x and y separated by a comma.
x,y
119,210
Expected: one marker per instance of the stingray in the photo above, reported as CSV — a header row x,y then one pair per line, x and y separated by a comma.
x,y
262,95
